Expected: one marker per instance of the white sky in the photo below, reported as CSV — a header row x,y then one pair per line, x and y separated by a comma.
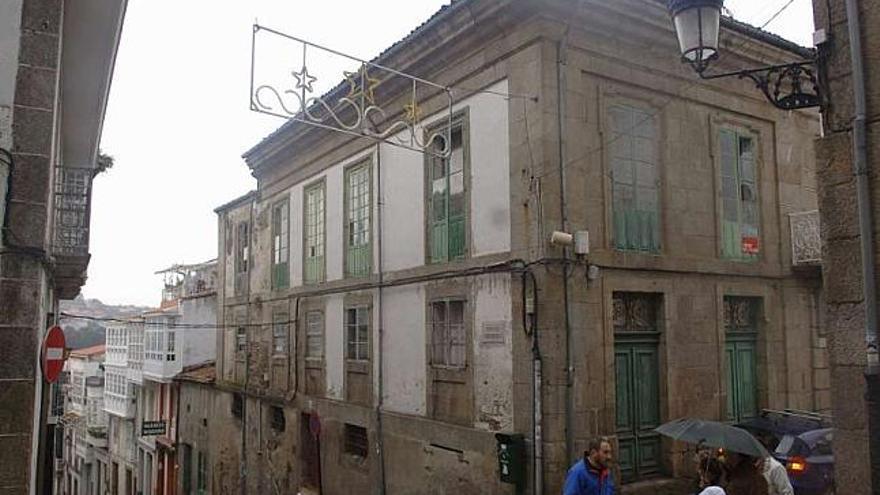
x,y
178,118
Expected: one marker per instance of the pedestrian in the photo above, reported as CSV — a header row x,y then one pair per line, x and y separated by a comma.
x,y
590,475
743,475
711,472
774,472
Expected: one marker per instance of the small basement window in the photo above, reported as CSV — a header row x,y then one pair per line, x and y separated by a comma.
x,y
278,421
237,406
356,441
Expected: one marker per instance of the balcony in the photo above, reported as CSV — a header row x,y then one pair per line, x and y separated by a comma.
x,y
70,244
806,243
121,406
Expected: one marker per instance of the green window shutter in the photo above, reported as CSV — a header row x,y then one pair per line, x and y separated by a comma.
x,y
740,236
634,178
280,245
741,331
447,208
358,232
314,234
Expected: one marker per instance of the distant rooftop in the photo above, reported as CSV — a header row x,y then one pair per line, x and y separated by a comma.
x,y
87,352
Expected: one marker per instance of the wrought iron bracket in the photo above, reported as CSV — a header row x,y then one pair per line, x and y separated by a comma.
x,y
788,86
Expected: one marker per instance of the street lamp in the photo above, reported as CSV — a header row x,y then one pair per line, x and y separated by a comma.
x,y
697,24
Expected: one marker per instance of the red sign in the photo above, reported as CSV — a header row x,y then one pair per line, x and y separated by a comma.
x,y
750,245
53,354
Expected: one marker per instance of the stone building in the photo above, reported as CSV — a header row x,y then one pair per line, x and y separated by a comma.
x,y
56,62
380,307
838,173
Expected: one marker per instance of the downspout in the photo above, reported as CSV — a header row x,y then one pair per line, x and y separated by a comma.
x,y
530,319
561,49
247,351
380,450
866,237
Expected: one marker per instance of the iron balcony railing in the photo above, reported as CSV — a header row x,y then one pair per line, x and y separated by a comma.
x,y
806,242
73,195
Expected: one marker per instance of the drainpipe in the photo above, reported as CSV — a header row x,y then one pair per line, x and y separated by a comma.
x,y
247,352
860,166
561,48
380,450
530,319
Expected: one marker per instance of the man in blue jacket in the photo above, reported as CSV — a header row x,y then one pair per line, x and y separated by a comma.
x,y
590,475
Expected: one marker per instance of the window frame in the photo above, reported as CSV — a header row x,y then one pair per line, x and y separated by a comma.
x,y
367,165
309,336
739,131
241,262
460,120
241,339
321,276
447,365
635,104
280,320
366,344
280,263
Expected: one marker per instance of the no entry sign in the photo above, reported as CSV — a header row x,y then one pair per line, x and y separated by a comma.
x,y
53,354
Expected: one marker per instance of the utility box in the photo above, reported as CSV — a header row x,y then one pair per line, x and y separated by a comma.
x,y
511,458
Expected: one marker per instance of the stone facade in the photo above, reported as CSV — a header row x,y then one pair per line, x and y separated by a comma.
x,y
844,300
430,429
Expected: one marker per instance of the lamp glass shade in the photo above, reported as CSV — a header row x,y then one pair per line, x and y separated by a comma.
x,y
697,29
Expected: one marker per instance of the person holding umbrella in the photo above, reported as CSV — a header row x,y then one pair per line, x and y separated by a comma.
x,y
711,472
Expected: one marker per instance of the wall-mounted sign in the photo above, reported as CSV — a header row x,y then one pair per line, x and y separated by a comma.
x,y
750,245
153,428
52,357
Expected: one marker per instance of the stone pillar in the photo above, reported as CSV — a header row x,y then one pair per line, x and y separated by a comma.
x,y
23,276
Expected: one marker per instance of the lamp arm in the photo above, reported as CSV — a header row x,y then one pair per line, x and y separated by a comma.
x,y
783,85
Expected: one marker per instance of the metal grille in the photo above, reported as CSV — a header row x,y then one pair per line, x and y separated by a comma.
x,y
806,243
356,442
741,314
72,203
635,312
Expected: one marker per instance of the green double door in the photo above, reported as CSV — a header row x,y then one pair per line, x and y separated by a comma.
x,y
742,379
636,362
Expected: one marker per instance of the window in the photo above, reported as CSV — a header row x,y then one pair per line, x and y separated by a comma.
x,y
634,179
448,334
278,421
170,356
356,442
357,333
242,256
202,474
447,238
740,237
358,256
240,339
315,334
279,333
237,406
314,234
280,242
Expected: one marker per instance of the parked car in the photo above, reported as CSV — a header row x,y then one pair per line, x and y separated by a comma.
x,y
801,441
809,461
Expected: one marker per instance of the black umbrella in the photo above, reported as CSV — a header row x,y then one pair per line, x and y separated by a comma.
x,y
713,434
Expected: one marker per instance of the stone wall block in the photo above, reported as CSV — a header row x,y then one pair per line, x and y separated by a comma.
x,y
842,271
35,87
38,49
30,182
14,470
41,15
18,344
27,224
32,129
16,415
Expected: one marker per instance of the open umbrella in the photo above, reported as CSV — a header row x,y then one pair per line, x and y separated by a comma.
x,y
713,434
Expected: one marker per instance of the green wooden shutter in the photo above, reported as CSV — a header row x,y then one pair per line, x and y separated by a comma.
x,y
358,261
447,208
634,178
280,272
314,234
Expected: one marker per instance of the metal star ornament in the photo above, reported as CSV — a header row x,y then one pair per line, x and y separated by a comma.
x,y
304,80
354,85
413,112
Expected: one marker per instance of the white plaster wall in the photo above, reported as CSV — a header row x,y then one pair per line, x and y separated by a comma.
x,y
404,349
403,191
296,235
199,345
493,358
490,173
333,346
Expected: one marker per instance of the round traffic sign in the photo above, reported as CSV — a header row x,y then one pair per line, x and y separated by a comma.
x,y
53,354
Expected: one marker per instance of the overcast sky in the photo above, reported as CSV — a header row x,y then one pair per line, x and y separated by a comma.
x,y
178,118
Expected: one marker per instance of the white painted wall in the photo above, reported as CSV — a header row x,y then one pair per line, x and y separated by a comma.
x,y
493,356
404,350
333,346
197,345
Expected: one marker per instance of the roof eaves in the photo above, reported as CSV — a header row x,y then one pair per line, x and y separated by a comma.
x,y
766,36
245,198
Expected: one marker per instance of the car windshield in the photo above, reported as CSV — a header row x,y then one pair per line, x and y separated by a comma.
x,y
790,446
